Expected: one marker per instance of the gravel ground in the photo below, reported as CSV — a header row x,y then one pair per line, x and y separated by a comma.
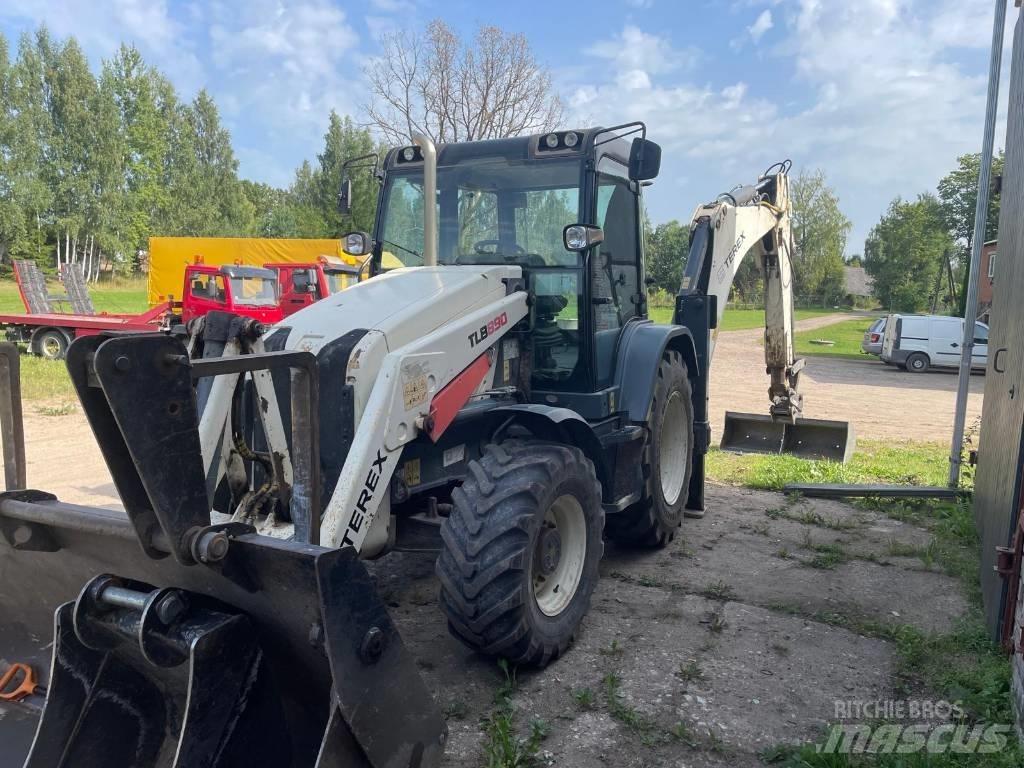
x,y
882,402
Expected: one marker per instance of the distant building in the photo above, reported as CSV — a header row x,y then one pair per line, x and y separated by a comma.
x,y
857,281
987,278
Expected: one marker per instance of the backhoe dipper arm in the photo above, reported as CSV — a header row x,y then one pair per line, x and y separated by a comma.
x,y
756,220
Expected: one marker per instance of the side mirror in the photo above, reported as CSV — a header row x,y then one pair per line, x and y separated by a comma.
x,y
644,160
580,237
356,244
345,197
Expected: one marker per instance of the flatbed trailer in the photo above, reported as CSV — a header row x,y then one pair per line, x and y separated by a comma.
x,y
50,334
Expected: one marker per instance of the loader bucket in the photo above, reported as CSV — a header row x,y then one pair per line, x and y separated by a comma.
x,y
806,438
235,649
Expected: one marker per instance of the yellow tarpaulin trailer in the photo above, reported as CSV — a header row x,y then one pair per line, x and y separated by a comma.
x,y
168,257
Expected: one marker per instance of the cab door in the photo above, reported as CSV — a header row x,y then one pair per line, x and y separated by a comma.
x,y
979,355
945,336
615,280
204,292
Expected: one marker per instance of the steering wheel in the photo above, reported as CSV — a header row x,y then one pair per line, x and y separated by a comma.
x,y
480,245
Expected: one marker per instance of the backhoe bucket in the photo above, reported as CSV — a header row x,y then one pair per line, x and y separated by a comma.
x,y
160,643
806,438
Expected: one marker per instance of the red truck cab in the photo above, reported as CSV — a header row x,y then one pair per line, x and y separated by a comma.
x,y
249,291
302,284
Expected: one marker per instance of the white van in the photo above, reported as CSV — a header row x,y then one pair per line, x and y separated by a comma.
x,y
920,342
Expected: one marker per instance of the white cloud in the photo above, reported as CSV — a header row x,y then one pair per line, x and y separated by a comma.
x,y
392,6
762,24
872,92
635,49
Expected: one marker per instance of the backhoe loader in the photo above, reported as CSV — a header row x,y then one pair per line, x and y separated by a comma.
x,y
501,400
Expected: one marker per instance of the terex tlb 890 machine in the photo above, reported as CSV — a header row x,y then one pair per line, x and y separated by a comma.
x,y
502,399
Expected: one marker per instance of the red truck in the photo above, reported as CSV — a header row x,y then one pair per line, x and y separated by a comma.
x,y
302,284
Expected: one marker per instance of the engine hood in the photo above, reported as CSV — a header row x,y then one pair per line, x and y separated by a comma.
x,y
402,304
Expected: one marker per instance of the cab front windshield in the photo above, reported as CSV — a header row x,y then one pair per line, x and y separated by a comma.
x,y
254,291
491,211
496,211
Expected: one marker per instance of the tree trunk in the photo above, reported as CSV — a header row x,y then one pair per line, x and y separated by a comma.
x,y
67,246
58,254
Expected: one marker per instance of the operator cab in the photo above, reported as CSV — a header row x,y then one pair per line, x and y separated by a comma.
x,y
566,207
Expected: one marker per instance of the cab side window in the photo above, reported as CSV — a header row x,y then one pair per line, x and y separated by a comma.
x,y
208,287
615,271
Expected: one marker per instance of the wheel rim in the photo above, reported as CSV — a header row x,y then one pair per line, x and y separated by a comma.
x,y
51,347
672,450
917,363
559,554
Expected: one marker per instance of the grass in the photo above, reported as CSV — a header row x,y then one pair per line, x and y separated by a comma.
x,y
503,746
738,319
875,461
961,665
46,381
847,336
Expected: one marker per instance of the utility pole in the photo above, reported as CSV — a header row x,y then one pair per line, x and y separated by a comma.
x,y
980,221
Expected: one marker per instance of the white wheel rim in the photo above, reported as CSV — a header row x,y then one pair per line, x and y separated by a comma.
x,y
554,591
51,347
672,451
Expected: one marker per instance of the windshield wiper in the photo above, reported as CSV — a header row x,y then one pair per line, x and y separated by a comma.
x,y
410,251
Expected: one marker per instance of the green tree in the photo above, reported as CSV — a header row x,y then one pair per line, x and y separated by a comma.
x,y
819,235
958,193
204,184
29,130
668,246
905,252
344,141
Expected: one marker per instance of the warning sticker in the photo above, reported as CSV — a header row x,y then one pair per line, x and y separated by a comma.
x,y
411,472
414,391
454,455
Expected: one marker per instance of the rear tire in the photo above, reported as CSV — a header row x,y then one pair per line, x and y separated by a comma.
x,y
521,549
50,344
917,362
667,462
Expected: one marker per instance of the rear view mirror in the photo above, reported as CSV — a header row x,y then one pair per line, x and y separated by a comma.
x,y
356,244
644,160
345,197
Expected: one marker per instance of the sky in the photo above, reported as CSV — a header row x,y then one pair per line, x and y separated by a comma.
x,y
882,95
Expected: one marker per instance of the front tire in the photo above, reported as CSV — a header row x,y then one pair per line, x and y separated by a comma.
x,y
918,362
667,462
521,550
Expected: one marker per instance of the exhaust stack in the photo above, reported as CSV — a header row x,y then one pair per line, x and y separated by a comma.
x,y
429,198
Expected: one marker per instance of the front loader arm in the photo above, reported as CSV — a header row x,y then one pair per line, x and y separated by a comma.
x,y
411,379
752,220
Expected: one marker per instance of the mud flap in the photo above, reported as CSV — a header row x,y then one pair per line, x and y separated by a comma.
x,y
806,438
